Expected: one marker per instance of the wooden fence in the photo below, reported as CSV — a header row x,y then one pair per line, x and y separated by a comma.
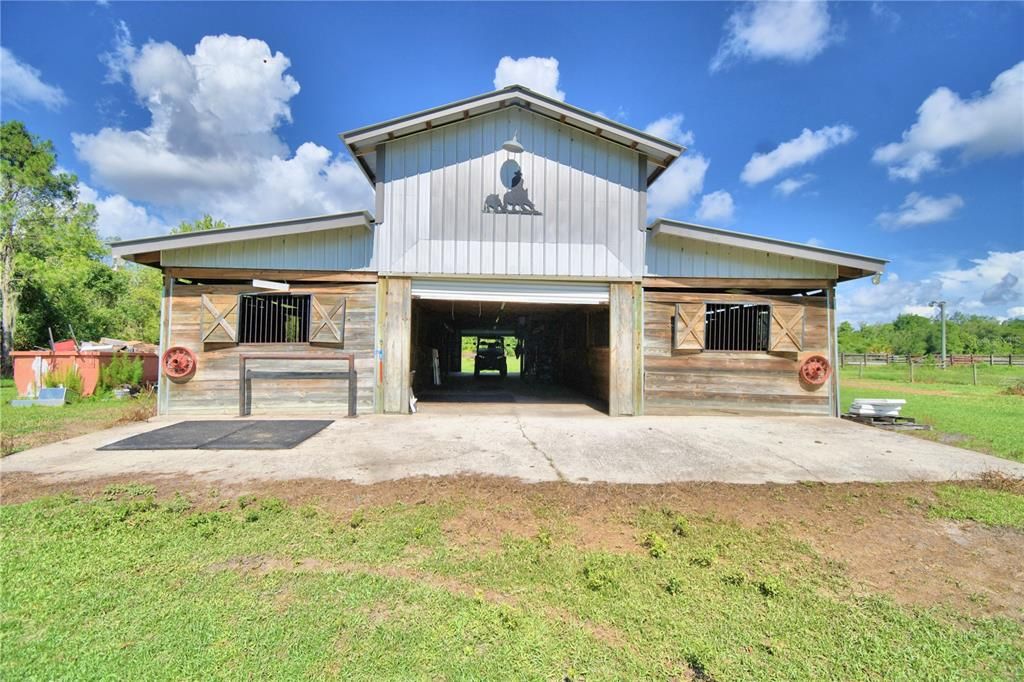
x,y
869,359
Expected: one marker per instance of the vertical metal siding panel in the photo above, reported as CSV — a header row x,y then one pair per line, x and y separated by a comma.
x,y
551,207
614,211
462,202
449,227
433,264
410,192
424,180
503,130
575,202
590,237
528,231
474,195
513,224
397,223
488,175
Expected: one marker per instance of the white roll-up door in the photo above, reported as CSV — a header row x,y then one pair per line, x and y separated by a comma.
x,y
584,293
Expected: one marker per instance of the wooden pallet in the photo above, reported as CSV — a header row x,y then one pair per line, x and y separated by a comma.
x,y
889,423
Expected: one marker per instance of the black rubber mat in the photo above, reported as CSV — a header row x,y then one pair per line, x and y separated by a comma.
x,y
219,434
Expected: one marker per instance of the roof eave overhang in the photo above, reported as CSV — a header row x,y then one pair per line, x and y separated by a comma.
x,y
362,141
849,265
133,249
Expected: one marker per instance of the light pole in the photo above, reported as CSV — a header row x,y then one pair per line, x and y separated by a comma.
x,y
942,315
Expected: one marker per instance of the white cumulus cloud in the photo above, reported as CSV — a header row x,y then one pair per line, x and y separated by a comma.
x,y
802,149
716,207
22,84
677,186
985,125
919,209
788,31
670,128
212,146
539,74
116,217
791,185
993,285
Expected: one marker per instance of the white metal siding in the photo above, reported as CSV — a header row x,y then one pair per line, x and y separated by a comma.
x,y
509,291
343,249
589,191
671,256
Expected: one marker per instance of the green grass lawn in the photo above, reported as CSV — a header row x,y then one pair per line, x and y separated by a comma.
x,y
129,588
984,417
991,507
27,427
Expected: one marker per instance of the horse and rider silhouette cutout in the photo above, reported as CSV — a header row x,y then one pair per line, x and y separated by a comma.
x,y
515,200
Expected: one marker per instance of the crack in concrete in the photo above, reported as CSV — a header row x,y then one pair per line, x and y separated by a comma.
x,y
546,456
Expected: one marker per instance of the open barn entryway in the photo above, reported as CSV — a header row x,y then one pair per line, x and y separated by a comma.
x,y
481,348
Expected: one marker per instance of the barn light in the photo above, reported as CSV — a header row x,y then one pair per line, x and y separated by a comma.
x,y
513,145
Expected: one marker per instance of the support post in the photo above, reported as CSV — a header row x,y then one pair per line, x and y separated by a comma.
x,y
624,348
397,343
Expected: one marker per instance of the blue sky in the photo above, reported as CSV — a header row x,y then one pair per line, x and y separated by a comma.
x,y
894,130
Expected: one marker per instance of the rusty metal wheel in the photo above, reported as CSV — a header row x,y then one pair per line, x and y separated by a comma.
x,y
815,370
179,363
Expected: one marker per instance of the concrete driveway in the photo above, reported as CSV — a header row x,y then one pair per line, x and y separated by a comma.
x,y
540,447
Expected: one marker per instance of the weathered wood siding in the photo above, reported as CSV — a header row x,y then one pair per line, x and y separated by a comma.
x,y
729,382
590,193
672,256
332,250
214,387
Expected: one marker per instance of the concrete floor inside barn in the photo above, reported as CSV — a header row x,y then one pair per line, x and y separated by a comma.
x,y
537,442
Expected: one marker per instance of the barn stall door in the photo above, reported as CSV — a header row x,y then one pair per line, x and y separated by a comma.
x,y
327,320
787,332
688,328
218,318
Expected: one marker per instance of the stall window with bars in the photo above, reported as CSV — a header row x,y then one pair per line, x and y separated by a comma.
x,y
737,326
273,318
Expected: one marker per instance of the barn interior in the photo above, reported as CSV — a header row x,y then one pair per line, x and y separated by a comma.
x,y
556,354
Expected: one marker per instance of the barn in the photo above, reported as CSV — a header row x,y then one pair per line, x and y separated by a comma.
x,y
519,223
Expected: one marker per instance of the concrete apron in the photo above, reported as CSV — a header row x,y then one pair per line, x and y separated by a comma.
x,y
533,446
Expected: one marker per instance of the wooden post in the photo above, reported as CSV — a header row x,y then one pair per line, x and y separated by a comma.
x,y
910,359
397,342
863,359
624,305
975,368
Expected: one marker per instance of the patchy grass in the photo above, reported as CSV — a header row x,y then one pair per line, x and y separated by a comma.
x,y
130,585
985,418
991,507
29,427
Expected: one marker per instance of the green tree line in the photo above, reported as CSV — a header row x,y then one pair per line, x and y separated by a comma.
x,y
56,272
917,335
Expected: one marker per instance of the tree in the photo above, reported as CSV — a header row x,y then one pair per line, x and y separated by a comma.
x,y
205,223
29,187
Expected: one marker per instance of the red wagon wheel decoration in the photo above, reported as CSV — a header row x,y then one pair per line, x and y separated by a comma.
x,y
179,363
815,370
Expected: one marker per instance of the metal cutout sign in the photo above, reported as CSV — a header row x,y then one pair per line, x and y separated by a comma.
x,y
516,200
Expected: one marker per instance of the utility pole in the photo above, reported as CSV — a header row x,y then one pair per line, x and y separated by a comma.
x,y
942,316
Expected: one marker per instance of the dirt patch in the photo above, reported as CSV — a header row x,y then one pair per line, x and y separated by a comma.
x,y
880,534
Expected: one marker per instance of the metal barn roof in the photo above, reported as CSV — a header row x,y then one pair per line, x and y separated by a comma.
x,y
362,142
147,249
851,265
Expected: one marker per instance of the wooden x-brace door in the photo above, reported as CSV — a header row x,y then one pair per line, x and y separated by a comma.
x,y
328,320
688,328
787,333
218,318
